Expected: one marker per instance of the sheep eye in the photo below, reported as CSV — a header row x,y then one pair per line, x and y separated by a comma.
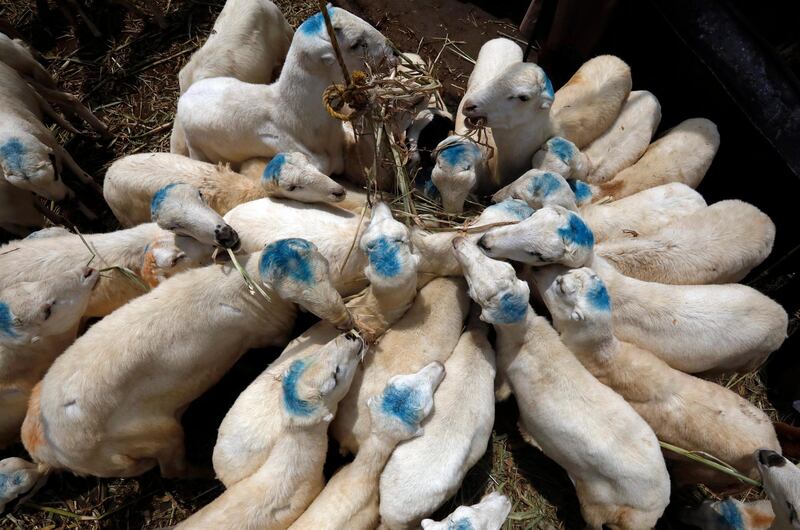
x,y
523,97
358,44
295,187
48,310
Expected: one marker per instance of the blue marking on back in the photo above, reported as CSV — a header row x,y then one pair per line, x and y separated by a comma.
x,y
6,321
314,24
403,403
457,152
460,524
285,258
12,152
577,232
544,184
159,197
272,171
517,208
730,515
384,257
563,149
582,191
291,400
513,308
598,296
548,87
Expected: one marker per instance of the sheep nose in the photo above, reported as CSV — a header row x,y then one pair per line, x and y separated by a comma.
x,y
770,458
226,236
482,244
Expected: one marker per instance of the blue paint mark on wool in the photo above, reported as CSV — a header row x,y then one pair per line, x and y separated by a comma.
x,y
577,232
460,524
730,515
513,308
403,403
273,170
544,184
286,258
582,191
563,149
6,321
458,152
430,190
315,23
384,257
12,152
598,296
159,197
517,208
291,400
548,87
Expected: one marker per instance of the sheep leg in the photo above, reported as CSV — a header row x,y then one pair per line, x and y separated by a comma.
x,y
54,114
73,105
63,155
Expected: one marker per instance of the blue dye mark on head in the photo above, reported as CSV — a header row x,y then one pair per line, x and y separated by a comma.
x,y
286,258
273,170
562,148
598,296
291,400
314,24
384,257
12,152
545,184
577,232
12,479
6,321
458,152
548,87
403,403
582,191
159,197
513,308
517,208
460,524
430,190
730,516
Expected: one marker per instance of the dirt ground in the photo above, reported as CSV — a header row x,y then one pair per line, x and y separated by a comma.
x,y
128,76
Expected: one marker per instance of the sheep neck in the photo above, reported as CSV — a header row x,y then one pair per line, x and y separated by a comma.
x,y
235,189
372,456
382,305
513,155
436,252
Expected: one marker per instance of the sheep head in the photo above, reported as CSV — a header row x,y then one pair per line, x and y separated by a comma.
x,y
458,163
562,156
169,254
782,483
552,235
387,244
540,188
31,310
29,164
489,514
578,300
292,176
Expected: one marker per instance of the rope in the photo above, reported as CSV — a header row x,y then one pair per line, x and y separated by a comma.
x,y
355,95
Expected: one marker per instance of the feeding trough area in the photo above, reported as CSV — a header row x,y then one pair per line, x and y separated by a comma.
x,y
295,265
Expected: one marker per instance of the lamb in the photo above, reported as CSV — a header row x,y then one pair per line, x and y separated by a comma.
x,y
38,320
132,181
561,156
641,214
489,514
426,471
350,499
18,213
626,140
248,42
147,251
694,328
683,410
118,414
17,476
292,404
683,154
609,452
290,115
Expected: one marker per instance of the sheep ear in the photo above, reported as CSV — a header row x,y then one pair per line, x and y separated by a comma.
x,y
577,315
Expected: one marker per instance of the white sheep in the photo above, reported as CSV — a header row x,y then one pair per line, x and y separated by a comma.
x,y
682,154
149,252
640,214
561,156
626,140
350,499
132,181
18,213
782,483
694,328
292,403
119,414
426,471
38,320
248,42
489,514
17,476
683,410
608,451
221,123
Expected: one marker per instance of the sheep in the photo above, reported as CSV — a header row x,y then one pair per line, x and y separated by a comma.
x,y
626,140
718,244
38,320
18,213
561,156
51,231
292,403
694,328
392,275
290,115
147,251
350,499
609,452
426,471
17,476
489,514
428,332
248,42
641,213
782,482
118,415
683,410
682,154
132,181
731,514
